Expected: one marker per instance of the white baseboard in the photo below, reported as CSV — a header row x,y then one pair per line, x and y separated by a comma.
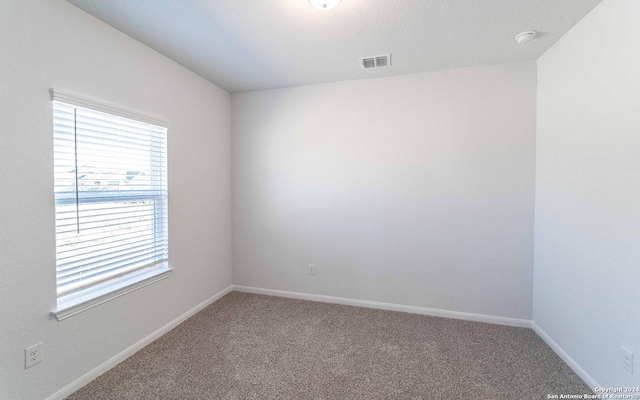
x,y
565,357
118,358
522,323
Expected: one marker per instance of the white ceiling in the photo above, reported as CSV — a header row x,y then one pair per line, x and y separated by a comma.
x,y
245,45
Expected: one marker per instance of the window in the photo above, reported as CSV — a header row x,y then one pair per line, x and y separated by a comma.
x,y
110,183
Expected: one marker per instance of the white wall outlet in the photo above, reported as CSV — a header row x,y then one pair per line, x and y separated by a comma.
x,y
32,355
627,360
312,269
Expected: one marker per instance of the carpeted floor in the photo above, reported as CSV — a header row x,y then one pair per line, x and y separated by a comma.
x,y
248,346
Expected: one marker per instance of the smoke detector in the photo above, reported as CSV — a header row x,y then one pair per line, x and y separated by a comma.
x,y
524,37
383,60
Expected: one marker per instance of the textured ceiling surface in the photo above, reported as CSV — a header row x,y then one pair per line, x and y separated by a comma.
x,y
245,45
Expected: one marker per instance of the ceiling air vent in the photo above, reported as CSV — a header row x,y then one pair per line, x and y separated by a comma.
x,y
383,60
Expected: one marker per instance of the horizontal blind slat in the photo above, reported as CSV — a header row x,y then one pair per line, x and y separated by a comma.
x,y
134,260
88,227
94,196
91,245
81,284
107,258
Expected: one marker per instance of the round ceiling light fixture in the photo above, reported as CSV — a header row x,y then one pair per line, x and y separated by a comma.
x,y
324,4
524,37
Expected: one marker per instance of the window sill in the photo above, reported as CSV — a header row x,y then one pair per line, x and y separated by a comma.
x,y
74,304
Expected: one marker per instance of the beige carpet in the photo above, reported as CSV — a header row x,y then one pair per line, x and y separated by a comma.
x,y
247,346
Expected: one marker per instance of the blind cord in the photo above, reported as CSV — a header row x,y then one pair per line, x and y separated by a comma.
x,y
75,158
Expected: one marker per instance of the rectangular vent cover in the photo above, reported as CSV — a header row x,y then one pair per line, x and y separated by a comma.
x,y
383,60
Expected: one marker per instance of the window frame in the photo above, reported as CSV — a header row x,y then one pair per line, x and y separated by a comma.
x,y
77,301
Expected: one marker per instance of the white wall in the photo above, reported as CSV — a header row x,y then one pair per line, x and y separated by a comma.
x,y
415,190
46,44
587,225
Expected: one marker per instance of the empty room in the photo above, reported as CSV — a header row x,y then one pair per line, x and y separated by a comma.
x,y
319,199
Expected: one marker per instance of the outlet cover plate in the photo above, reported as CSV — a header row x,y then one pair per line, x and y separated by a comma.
x,y
627,360
32,355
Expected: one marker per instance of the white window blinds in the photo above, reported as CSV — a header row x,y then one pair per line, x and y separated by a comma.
x,y
110,195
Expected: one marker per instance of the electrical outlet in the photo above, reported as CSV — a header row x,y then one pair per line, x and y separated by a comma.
x,y
312,269
32,355
627,360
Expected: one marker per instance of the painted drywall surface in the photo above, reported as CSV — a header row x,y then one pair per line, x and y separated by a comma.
x,y
247,45
587,220
46,44
414,190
